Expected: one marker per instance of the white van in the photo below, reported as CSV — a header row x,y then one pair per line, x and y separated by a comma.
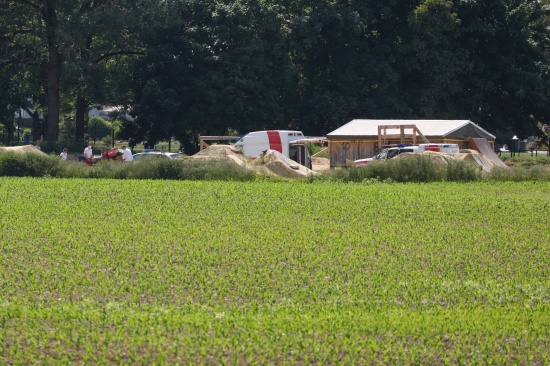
x,y
292,144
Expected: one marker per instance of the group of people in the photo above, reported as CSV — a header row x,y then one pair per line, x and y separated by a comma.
x,y
88,154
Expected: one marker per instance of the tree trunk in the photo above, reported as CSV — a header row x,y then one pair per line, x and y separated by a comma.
x,y
80,118
53,71
37,122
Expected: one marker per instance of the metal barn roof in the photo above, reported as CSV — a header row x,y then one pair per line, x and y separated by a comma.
x,y
450,129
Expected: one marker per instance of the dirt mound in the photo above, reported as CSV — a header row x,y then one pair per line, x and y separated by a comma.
x,y
218,150
280,165
320,164
435,156
467,155
438,157
21,149
272,163
226,153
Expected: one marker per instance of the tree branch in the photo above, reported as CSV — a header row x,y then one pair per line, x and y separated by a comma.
x,y
30,3
7,63
31,113
108,55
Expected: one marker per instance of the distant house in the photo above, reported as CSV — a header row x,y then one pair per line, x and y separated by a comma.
x,y
103,112
363,138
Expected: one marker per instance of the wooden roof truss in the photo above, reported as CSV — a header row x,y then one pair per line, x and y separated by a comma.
x,y
407,134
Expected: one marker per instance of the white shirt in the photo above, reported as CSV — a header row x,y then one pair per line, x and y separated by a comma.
x,y
127,155
63,156
88,152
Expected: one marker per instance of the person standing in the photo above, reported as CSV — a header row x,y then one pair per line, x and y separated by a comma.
x,y
127,155
63,154
88,154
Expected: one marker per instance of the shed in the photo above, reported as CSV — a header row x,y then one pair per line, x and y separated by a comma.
x,y
363,138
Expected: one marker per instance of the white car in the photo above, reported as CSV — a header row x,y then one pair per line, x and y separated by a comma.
x,y
156,155
394,151
386,154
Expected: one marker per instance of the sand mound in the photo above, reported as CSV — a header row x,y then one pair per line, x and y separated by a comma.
x,y
438,157
272,163
225,153
218,150
320,164
280,165
467,155
21,149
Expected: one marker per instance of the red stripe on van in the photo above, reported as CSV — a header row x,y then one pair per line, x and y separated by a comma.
x,y
275,141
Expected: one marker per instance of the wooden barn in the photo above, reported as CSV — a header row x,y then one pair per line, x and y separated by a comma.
x,y
363,138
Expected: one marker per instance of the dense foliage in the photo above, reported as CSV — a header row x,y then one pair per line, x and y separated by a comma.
x,y
188,67
150,272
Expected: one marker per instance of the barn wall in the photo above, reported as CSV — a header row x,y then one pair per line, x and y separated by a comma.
x,y
343,151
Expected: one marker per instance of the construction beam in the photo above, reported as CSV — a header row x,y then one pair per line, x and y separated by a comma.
x,y
319,152
383,135
421,135
203,144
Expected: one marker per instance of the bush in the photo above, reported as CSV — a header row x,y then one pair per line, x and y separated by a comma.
x,y
99,128
150,169
534,173
460,171
29,165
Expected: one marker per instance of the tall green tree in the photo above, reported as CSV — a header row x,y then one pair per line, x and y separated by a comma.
x,y
66,46
433,62
104,39
210,67
22,82
508,79
346,54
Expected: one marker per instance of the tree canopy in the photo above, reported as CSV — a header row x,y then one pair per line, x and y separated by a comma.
x,y
182,68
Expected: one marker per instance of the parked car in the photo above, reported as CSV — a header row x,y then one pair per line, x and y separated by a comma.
x,y
156,155
394,151
386,154
442,148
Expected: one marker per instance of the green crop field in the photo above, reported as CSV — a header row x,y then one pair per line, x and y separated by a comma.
x,y
140,272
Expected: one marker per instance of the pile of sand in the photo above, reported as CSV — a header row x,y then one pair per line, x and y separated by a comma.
x,y
320,163
467,155
21,149
272,163
225,153
437,157
275,163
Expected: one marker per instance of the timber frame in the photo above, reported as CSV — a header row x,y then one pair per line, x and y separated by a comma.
x,y
402,136
203,144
